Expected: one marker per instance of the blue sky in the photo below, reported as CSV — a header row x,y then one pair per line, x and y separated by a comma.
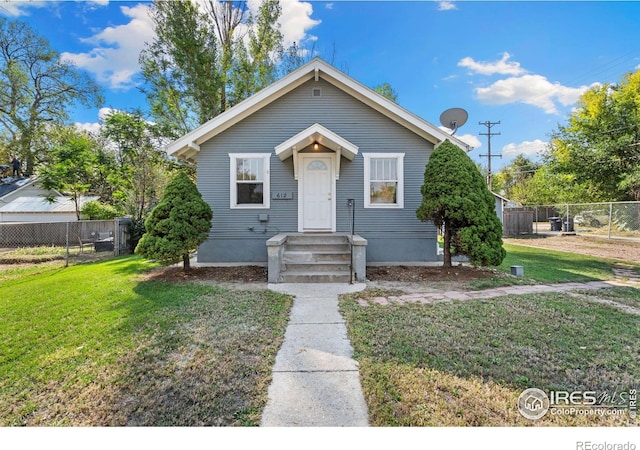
x,y
521,63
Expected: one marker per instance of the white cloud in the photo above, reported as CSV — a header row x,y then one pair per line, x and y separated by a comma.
x,y
329,6
104,112
529,148
469,139
534,90
502,66
114,59
446,6
89,127
95,127
296,21
12,8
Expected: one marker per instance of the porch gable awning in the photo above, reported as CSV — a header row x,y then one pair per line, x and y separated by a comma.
x,y
316,133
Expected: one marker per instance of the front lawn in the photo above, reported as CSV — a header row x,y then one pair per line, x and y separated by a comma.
x,y
466,363
550,266
96,344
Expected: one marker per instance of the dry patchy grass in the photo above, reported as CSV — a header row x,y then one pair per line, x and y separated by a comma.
x,y
466,363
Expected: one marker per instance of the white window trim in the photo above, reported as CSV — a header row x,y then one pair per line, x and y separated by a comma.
x,y
266,190
367,176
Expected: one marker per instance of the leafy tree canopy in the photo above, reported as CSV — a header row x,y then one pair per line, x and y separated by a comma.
x,y
205,60
456,198
70,165
140,169
36,89
599,148
387,91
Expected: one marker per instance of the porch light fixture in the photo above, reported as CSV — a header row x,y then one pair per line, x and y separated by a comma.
x,y
315,146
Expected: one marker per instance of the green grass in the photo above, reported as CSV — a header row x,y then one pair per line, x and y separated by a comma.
x,y
95,344
549,266
465,363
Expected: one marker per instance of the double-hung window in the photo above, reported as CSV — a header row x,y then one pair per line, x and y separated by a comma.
x,y
249,180
383,180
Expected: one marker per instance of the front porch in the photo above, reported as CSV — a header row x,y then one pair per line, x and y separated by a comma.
x,y
316,258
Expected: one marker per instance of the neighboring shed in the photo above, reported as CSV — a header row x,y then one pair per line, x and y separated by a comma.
x,y
13,188
501,202
38,209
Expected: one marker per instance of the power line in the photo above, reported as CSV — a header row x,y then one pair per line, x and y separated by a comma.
x,y
489,124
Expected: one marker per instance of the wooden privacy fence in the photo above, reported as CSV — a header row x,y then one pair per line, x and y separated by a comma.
x,y
73,234
517,221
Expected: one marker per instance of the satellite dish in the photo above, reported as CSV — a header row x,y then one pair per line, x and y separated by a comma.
x,y
454,118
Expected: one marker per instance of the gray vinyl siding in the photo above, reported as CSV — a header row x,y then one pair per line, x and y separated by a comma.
x,y
392,234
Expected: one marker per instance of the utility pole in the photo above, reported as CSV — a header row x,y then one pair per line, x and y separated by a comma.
x,y
489,124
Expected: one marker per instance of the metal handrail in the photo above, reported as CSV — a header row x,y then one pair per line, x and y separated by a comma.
x,y
351,205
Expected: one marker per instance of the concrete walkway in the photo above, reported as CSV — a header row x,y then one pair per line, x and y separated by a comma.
x,y
315,379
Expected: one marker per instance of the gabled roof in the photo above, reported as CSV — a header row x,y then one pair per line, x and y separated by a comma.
x,y
188,146
321,135
9,185
13,185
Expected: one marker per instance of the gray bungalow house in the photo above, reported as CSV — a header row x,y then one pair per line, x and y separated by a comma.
x,y
316,175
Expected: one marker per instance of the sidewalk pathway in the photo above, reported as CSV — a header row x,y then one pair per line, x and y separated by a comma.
x,y
315,379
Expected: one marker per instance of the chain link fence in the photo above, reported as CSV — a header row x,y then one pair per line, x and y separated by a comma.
x,y
79,237
610,219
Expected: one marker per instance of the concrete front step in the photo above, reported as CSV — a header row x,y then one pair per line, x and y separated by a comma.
x,y
316,247
298,257
315,277
316,257
317,239
313,267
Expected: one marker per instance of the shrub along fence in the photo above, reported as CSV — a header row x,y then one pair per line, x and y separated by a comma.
x,y
607,219
98,235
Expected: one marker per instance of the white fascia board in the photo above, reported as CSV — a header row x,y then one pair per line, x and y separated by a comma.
x,y
242,110
316,68
323,136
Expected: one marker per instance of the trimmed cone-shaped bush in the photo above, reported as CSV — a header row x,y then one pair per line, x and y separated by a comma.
x,y
456,198
178,225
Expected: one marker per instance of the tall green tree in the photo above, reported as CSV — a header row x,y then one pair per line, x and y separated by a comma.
x,y
178,225
599,148
456,198
202,61
181,67
547,188
512,180
256,64
36,89
69,166
141,168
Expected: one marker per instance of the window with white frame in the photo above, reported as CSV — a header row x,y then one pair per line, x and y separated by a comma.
x,y
249,180
383,180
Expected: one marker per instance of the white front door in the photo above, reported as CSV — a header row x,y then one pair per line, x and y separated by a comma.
x,y
317,198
